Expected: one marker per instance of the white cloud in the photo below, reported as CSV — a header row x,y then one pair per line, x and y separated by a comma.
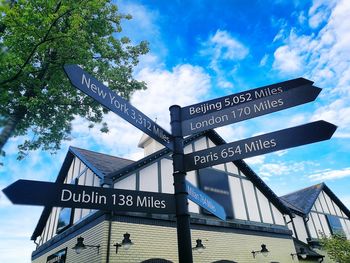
x,y
227,47
183,85
266,168
18,224
264,60
302,18
232,133
330,174
323,55
287,60
222,48
345,200
319,12
144,23
338,113
281,153
257,160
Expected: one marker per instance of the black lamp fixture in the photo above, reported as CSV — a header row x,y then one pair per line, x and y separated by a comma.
x,y
264,251
80,246
199,246
126,243
301,254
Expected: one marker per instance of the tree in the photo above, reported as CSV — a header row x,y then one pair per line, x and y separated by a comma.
x,y
38,37
337,247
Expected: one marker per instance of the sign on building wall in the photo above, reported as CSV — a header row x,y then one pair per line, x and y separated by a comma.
x,y
215,184
58,257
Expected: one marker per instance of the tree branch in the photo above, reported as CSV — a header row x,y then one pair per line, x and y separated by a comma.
x,y
44,40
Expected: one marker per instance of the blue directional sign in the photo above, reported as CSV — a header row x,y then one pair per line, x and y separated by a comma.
x,y
262,144
250,109
27,192
112,101
206,202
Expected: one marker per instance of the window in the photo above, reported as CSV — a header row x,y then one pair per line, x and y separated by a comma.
x,y
335,225
215,184
64,219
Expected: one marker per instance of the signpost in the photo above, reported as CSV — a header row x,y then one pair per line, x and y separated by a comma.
x,y
27,192
250,109
184,121
261,144
112,101
205,201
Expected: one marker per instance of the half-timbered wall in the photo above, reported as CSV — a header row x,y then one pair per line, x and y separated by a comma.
x,y
318,217
247,200
316,223
78,174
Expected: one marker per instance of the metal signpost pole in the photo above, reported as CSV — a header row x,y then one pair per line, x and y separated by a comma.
x,y
182,214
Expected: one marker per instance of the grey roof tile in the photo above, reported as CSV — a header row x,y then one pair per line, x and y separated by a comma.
x,y
103,162
303,200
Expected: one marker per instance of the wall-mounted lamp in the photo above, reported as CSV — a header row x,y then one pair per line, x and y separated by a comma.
x,y
199,246
80,246
301,254
263,251
126,243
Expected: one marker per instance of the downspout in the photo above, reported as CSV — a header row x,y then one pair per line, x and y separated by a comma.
x,y
109,236
37,244
107,182
306,219
293,225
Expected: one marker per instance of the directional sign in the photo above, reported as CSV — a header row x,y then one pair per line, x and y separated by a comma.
x,y
251,109
219,104
262,144
112,101
206,202
27,192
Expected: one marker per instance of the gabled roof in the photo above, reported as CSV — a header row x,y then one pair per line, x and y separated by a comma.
x,y
303,200
100,163
114,167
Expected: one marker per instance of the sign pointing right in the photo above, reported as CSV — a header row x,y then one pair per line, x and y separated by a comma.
x,y
202,108
262,144
251,109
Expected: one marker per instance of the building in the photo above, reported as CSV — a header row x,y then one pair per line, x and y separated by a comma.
x,y
257,220
317,211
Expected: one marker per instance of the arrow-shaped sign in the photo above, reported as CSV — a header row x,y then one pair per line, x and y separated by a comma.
x,y
218,104
262,144
27,192
251,109
112,101
206,202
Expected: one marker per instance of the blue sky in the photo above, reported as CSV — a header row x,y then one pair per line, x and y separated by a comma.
x,y
202,50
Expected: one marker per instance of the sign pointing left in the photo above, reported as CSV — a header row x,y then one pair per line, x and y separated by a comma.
x,y
112,101
27,192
